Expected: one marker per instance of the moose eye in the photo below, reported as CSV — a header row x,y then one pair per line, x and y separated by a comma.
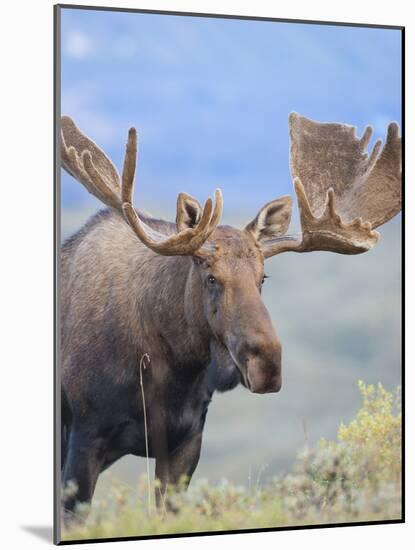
x,y
211,280
263,279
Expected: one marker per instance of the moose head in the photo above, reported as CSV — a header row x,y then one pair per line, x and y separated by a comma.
x,y
343,195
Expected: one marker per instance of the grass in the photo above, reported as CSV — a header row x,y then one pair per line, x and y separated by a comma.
x,y
355,478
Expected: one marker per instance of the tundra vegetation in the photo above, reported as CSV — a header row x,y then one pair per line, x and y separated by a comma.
x,y
355,478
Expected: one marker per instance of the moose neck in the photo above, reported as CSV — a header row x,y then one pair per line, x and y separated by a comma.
x,y
177,312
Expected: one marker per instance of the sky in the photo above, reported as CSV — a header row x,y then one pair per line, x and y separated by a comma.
x,y
210,98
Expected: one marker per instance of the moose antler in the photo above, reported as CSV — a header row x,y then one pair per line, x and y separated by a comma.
x,y
343,194
85,161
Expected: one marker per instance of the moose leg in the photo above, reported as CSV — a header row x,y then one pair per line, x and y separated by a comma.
x,y
66,421
171,469
82,467
64,445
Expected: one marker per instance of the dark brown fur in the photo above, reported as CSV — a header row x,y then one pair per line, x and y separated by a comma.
x,y
120,301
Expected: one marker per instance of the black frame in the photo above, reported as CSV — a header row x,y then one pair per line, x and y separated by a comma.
x,y
56,275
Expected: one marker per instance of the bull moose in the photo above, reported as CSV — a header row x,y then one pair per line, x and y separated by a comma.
x,y
187,295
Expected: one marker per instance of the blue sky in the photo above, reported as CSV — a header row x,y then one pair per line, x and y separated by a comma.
x,y
211,97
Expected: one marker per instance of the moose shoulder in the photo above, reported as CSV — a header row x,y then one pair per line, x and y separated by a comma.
x,y
187,295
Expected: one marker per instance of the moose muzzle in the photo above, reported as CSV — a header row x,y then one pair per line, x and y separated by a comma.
x,y
260,364
263,370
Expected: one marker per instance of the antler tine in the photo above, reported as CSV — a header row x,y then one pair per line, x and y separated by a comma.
x,y
71,163
85,161
380,197
217,213
367,134
128,173
100,188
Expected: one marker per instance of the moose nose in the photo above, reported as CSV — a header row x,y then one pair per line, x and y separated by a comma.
x,y
263,384
264,370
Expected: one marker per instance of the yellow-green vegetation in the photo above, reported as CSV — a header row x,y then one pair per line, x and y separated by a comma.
x,y
355,478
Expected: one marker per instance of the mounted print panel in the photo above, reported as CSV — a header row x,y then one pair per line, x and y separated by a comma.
x,y
228,298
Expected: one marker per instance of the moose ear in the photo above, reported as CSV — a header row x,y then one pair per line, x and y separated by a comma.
x,y
272,220
188,212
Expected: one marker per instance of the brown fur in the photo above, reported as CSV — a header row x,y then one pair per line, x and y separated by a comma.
x,y
121,300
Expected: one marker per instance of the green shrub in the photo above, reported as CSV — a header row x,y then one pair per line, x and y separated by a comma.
x,y
376,434
355,478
